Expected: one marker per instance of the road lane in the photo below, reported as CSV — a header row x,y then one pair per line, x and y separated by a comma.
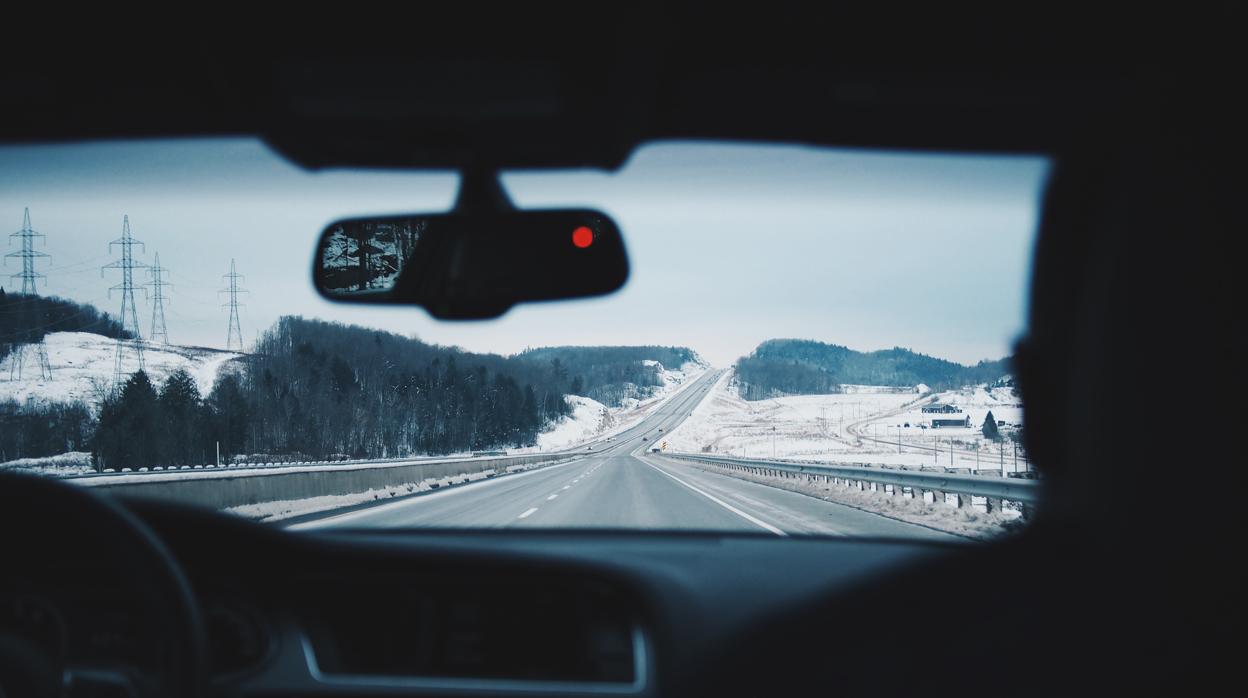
x,y
623,486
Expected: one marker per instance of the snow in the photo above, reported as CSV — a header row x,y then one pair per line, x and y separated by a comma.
x,y
82,368
71,463
591,420
860,425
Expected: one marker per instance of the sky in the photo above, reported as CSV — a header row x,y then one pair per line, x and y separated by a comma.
x,y
729,244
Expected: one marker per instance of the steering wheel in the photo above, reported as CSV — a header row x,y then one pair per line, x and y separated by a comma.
x,y
73,561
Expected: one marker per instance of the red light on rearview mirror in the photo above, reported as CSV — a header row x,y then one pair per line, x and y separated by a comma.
x,y
583,237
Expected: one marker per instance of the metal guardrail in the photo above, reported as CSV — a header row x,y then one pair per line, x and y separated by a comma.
x,y
1012,489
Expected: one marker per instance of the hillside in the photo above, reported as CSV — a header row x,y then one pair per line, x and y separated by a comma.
x,y
804,367
612,375
82,368
27,318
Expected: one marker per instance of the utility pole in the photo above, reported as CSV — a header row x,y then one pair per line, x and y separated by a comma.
x,y
28,255
234,337
158,333
129,314
773,443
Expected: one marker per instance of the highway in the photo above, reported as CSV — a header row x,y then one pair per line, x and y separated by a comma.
x,y
619,484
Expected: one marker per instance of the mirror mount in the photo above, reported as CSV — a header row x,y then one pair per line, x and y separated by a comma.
x,y
481,193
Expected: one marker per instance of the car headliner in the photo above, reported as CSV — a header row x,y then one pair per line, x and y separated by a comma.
x,y
519,89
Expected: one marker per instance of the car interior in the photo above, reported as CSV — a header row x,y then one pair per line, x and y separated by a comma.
x,y
1125,581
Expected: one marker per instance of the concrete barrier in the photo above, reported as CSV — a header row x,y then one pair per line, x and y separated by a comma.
x,y
221,489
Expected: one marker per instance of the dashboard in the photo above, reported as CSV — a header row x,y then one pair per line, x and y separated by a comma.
x,y
419,612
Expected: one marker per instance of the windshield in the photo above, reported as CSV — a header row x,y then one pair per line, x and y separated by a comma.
x,y
811,342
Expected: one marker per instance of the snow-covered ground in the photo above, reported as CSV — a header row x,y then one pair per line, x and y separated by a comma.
x,y
592,420
82,367
844,427
72,463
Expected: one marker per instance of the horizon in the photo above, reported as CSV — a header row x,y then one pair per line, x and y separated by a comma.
x,y
731,245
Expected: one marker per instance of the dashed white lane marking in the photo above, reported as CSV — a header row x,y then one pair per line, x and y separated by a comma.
x,y
567,487
754,520
551,497
527,514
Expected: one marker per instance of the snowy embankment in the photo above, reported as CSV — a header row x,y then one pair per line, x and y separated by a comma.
x,y
844,427
82,367
591,420
72,463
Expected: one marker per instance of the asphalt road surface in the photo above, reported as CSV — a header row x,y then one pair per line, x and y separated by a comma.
x,y
620,484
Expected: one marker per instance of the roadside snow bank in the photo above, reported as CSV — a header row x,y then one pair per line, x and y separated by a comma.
x,y
71,463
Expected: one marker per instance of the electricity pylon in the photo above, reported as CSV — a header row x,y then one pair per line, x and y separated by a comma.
x,y
158,333
28,275
129,313
27,254
20,352
234,336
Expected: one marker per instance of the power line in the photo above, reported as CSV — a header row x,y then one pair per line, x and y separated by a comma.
x,y
234,336
27,254
129,313
159,333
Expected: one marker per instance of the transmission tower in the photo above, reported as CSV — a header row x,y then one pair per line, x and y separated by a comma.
x,y
158,333
21,354
129,313
234,338
28,275
27,254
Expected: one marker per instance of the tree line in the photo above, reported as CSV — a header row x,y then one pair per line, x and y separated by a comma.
x,y
27,318
804,367
143,425
609,374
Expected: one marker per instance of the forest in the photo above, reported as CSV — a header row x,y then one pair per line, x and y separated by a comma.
x,y
804,367
610,374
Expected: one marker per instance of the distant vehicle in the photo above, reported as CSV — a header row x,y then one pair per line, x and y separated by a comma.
x,y
660,428
656,449
589,448
645,438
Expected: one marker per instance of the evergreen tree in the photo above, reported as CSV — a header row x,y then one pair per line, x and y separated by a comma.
x,y
231,414
185,426
990,428
127,435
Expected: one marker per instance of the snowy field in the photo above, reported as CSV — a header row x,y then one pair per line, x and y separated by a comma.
x,y
592,420
82,368
860,425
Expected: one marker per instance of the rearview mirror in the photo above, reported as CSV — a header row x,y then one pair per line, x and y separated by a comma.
x,y
468,266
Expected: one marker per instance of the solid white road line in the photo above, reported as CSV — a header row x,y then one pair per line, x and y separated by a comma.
x,y
527,514
752,519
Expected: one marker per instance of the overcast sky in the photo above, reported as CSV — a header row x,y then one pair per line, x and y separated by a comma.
x,y
730,245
